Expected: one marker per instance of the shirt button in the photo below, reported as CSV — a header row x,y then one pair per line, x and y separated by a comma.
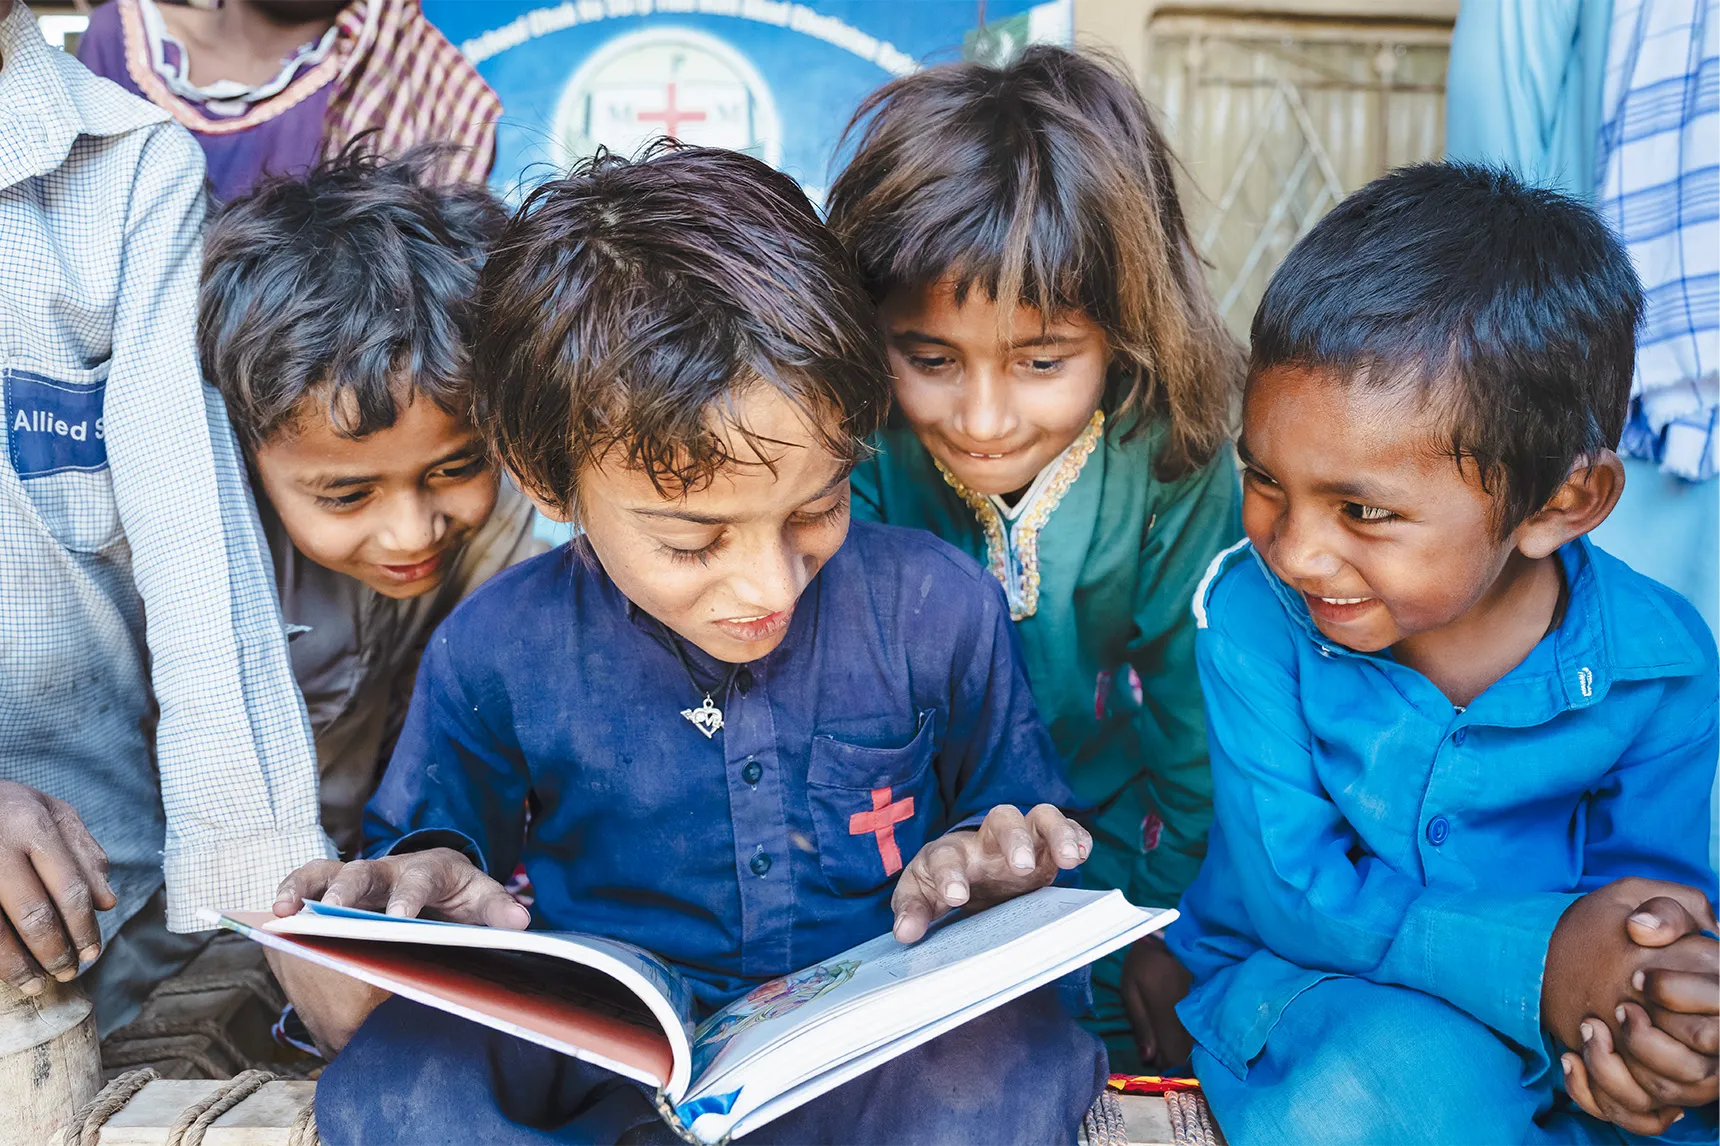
x,y
760,864
1438,829
744,681
1460,736
752,771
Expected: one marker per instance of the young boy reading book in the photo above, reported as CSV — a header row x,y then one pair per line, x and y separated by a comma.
x,y
750,735
1458,877
336,318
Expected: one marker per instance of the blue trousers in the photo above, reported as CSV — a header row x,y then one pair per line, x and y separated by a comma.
x,y
1025,1072
1352,1062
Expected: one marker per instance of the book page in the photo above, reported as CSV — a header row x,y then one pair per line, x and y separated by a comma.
x,y
770,1013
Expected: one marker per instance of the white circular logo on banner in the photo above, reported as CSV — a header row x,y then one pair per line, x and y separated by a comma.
x,y
670,81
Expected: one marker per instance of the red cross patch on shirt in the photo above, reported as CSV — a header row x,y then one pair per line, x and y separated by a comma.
x,y
881,822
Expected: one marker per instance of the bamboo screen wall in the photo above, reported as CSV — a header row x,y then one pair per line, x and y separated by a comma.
x,y
1276,119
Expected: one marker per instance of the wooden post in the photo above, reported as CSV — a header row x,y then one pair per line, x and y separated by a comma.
x,y
50,1061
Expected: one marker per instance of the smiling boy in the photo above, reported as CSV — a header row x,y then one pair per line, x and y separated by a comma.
x,y
708,695
1457,881
335,317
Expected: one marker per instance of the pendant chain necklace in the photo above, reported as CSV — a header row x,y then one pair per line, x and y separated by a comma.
x,y
707,718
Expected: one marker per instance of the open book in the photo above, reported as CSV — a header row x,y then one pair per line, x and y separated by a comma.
x,y
783,1044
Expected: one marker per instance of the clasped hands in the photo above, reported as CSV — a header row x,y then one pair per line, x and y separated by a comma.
x,y
1632,985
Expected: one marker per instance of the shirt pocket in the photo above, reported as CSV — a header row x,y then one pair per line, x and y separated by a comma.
x,y
57,446
872,808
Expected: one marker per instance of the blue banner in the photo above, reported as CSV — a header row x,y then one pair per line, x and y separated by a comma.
x,y
776,78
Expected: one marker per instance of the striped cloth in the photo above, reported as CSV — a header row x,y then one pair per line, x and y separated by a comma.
x,y
393,73
1658,183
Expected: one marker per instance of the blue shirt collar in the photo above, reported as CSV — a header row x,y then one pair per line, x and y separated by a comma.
x,y
1611,631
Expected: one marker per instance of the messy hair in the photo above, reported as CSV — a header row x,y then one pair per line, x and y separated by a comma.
x,y
1046,182
630,302
351,286
1512,308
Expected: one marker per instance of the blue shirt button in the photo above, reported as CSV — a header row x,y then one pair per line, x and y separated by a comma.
x,y
1438,829
1460,736
760,864
752,771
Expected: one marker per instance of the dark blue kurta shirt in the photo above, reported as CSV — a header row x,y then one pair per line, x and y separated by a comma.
x,y
745,856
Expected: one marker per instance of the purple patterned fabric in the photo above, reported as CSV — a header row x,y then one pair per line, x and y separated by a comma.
x,y
287,144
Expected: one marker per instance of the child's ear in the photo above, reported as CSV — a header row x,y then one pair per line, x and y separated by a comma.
x,y
548,508
1582,502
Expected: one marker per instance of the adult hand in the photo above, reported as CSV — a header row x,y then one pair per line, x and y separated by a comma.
x,y
1153,984
436,879
53,879
1009,855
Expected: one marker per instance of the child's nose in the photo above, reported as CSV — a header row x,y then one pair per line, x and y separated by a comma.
x,y
415,526
984,412
772,581
1300,551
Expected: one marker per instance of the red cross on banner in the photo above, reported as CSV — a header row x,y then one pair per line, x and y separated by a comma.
x,y
672,116
881,821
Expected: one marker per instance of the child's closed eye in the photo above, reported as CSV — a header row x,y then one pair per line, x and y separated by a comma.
x,y
1372,514
694,556
469,468
337,503
929,363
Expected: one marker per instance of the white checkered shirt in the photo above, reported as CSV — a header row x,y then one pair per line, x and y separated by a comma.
x,y
184,747
1658,183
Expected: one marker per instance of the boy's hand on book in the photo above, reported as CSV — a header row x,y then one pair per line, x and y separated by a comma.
x,y
436,879
1153,984
53,878
1009,855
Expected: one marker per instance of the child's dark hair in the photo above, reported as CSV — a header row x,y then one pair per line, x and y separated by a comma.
x,y
1046,181
1513,307
352,285
629,300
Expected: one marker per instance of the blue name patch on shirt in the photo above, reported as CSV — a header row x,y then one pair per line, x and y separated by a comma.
x,y
54,426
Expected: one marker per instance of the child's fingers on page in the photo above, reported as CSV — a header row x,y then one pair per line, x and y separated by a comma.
x,y
304,883
34,918
1006,833
92,861
1665,1068
1059,836
1620,1097
361,883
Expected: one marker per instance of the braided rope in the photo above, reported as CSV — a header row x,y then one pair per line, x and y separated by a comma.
x,y
85,1126
188,1129
304,1131
1191,1120
1104,1121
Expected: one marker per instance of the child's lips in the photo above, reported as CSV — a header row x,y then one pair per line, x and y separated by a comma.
x,y
406,574
1337,610
757,628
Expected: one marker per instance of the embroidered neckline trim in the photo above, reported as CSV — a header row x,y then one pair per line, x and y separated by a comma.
x,y
1022,591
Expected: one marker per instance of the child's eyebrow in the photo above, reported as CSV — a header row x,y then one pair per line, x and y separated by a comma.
x,y
366,479
920,336
717,519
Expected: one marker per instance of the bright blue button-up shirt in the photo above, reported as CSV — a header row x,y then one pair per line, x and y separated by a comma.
x,y
1365,826
894,709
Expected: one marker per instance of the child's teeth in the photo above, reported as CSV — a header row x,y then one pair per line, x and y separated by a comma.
x,y
1343,600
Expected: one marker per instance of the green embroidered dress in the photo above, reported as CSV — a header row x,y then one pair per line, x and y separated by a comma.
x,y
1099,562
